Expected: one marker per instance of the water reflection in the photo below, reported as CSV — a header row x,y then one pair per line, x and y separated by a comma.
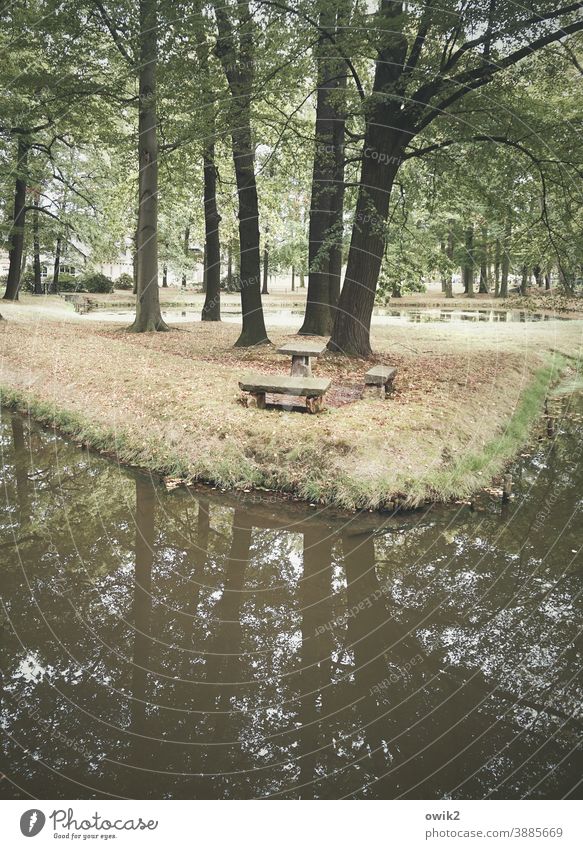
x,y
382,316
197,645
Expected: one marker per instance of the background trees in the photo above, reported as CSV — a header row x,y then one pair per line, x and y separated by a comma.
x,y
402,141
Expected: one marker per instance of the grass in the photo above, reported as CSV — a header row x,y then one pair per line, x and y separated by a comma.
x,y
466,397
470,472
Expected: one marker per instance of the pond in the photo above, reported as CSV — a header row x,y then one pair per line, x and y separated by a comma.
x,y
196,644
382,316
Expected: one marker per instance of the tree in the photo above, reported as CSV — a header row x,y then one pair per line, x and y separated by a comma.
x,y
148,314
426,63
327,200
18,218
235,49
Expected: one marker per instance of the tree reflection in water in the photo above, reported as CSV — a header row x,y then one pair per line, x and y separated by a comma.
x,y
198,645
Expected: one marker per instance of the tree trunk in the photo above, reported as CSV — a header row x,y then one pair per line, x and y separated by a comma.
x,y
337,212
538,275
506,257
237,58
148,315
385,140
468,267
484,288
443,276
18,220
38,286
229,266
524,280
164,276
497,256
135,261
293,279
211,310
253,331
449,253
264,290
327,196
54,287
204,265
548,281
185,246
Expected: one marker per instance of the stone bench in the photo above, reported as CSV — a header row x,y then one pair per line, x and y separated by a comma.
x,y
313,389
378,381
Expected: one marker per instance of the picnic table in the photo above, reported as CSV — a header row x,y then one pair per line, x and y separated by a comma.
x,y
301,353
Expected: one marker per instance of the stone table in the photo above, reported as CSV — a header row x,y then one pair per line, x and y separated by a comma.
x,y
301,352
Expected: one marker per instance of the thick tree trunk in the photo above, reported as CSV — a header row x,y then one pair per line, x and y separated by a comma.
x,y
204,268
548,280
135,260
524,280
148,315
337,214
253,331
38,286
237,58
384,144
211,310
16,250
327,197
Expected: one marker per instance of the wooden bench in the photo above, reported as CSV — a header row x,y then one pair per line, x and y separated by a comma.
x,y
378,381
313,389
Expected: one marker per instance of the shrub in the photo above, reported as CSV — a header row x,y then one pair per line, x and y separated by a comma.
x,y
27,280
96,283
68,283
125,282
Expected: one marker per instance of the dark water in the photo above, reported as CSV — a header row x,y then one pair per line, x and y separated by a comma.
x,y
197,645
382,316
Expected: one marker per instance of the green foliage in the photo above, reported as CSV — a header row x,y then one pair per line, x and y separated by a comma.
x,y
96,283
124,282
69,283
27,280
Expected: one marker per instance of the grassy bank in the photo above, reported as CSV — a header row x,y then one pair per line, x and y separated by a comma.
x,y
465,400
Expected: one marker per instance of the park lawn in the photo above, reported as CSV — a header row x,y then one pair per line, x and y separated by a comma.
x,y
466,397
